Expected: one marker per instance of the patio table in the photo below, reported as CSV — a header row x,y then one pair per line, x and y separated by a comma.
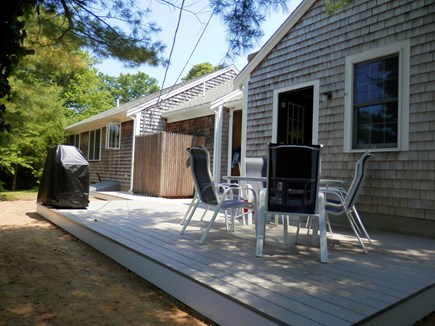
x,y
247,179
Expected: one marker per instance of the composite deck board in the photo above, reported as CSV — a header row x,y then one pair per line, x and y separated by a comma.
x,y
300,303
288,283
262,279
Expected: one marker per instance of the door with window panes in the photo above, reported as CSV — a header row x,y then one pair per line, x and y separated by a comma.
x,y
295,117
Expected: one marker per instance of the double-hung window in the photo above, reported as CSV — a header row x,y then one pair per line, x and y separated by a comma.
x,y
113,135
94,145
377,99
74,140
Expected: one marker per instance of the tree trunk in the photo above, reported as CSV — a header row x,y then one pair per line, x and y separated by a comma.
x,y
14,178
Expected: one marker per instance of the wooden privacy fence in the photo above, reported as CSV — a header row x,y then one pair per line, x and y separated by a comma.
x,y
160,164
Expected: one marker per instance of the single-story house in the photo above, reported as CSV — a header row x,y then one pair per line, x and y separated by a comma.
x,y
108,139
361,78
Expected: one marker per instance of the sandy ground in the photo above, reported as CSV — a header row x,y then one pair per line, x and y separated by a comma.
x,y
48,277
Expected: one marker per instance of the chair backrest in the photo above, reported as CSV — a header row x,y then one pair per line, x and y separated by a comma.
x,y
358,179
200,167
293,178
256,167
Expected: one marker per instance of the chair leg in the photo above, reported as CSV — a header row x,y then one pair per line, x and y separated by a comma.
x,y
310,222
207,229
191,205
260,225
298,229
187,220
361,225
285,228
352,224
328,223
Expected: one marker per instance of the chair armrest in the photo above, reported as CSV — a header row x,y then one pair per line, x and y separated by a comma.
x,y
228,192
335,192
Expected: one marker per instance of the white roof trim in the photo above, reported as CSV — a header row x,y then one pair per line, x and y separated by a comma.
x,y
117,116
226,98
182,89
291,21
201,110
192,112
126,112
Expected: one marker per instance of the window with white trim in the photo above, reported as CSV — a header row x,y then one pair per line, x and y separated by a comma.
x,y
377,99
94,145
74,140
113,136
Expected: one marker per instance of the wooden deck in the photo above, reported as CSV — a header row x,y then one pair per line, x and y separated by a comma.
x,y
223,280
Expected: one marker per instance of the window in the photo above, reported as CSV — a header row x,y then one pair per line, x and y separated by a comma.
x,y
376,113
376,103
113,135
94,145
74,140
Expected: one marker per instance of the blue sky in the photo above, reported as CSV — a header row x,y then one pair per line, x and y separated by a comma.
x,y
211,48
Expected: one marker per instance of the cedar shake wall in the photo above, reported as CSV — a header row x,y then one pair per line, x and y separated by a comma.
x,y
399,184
114,164
151,120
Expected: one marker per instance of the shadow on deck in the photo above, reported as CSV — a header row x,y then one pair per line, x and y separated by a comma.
x,y
224,281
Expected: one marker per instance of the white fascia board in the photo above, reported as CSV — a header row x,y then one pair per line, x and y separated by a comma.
x,y
188,113
182,89
97,122
291,21
226,99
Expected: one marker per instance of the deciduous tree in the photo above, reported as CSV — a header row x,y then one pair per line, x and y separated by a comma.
x,y
200,69
127,87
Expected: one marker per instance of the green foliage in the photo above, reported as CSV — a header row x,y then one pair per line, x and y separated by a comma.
x,y
86,95
108,28
37,123
18,195
105,27
12,34
127,87
243,20
200,69
332,6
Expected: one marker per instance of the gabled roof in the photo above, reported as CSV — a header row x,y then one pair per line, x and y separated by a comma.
x,y
202,105
290,22
127,110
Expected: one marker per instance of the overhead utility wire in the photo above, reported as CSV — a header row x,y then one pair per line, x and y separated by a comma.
x,y
172,49
194,49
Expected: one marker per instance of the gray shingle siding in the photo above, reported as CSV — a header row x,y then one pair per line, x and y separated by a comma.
x,y
151,120
399,183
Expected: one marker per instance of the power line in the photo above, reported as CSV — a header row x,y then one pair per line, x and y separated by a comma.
x,y
172,49
194,49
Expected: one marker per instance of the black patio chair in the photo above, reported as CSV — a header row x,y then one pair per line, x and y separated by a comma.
x,y
292,189
207,191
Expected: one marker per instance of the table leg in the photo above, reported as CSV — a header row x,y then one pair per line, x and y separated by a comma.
x,y
260,226
322,229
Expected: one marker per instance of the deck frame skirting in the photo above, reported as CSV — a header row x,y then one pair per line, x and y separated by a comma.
x,y
215,306
225,282
405,312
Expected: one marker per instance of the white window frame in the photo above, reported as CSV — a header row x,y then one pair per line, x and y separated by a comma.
x,y
316,87
77,140
92,157
108,130
403,50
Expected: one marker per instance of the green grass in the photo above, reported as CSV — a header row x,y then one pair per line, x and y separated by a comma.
x,y
18,195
